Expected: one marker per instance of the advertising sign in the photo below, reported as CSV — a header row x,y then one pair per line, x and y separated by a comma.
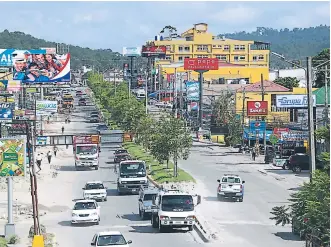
x,y
6,111
293,101
49,50
278,131
41,140
131,51
295,136
154,51
41,68
14,86
16,128
201,64
192,90
257,108
6,55
3,85
45,107
12,157
257,126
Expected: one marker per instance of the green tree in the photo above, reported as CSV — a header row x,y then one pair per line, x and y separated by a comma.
x,y
320,58
146,131
288,82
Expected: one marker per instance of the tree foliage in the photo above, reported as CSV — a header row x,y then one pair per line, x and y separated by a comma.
x,y
319,59
288,82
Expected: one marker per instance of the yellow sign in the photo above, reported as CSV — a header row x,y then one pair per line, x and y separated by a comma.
x,y
38,241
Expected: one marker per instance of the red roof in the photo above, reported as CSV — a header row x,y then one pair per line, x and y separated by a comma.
x,y
269,86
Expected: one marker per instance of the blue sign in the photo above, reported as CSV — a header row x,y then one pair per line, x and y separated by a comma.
x,y
6,55
257,126
6,111
192,90
41,140
3,85
251,135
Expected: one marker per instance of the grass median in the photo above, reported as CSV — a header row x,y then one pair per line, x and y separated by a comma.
x,y
158,172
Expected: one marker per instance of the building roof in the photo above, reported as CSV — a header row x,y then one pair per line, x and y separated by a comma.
x,y
320,95
269,86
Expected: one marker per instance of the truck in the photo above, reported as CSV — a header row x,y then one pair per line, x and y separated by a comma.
x,y
131,176
86,150
174,209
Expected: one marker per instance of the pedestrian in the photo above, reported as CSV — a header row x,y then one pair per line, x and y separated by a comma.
x,y
49,156
39,159
55,150
253,153
62,130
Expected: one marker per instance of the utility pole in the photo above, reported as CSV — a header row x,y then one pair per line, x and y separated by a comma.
x,y
41,117
160,81
174,96
115,82
243,115
311,141
326,103
181,95
263,118
200,98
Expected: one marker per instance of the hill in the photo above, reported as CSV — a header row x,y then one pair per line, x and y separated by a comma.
x,y
294,44
101,58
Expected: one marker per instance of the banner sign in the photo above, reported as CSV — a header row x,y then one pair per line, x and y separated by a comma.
x,y
44,108
6,55
192,90
12,157
294,101
154,51
257,108
295,136
201,64
131,51
41,68
41,140
49,50
16,128
6,111
278,131
3,85
257,126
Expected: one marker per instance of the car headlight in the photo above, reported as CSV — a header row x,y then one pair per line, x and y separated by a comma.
x,y
162,217
74,215
143,181
95,213
123,182
191,217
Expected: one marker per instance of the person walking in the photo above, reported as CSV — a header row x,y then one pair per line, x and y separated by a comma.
x,y
253,153
49,156
55,150
62,130
39,159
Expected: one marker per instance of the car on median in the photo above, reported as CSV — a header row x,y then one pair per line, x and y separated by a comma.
x,y
85,211
110,238
82,102
231,186
95,190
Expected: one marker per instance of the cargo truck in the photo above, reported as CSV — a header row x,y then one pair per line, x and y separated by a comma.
x,y
86,151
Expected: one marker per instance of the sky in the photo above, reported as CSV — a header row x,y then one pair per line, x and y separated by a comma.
x,y
117,24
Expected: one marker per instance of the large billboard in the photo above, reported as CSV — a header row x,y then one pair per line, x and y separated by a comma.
x,y
154,51
12,157
41,68
192,91
6,55
45,107
293,101
257,108
11,86
6,112
131,51
201,64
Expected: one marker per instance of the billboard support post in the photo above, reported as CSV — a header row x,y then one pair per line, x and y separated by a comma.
x,y
263,118
310,117
10,226
131,75
200,95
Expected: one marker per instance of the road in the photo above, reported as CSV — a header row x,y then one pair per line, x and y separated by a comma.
x,y
118,213
242,224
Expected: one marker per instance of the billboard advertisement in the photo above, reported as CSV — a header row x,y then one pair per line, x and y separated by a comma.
x,y
154,51
12,157
257,126
45,107
192,90
41,68
293,101
16,128
6,111
131,51
201,64
257,108
6,55
51,50
11,86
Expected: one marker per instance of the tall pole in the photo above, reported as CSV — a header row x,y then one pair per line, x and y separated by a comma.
x,y
310,117
263,118
181,95
243,115
160,80
200,98
131,75
174,91
326,96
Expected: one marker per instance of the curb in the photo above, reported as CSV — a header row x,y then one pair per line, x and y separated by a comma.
x,y
197,226
262,172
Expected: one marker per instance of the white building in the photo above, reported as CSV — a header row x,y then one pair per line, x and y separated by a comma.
x,y
297,73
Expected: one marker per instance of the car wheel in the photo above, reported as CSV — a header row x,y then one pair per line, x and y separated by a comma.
x,y
154,221
105,199
296,169
190,228
241,199
96,168
161,228
283,167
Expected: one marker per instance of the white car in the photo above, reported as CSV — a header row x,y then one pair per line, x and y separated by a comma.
x,y
112,238
86,211
231,186
95,190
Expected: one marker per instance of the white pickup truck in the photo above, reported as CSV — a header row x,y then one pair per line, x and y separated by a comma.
x,y
230,186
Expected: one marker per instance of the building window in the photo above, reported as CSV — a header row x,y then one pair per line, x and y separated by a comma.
x,y
168,47
187,57
254,58
236,47
186,48
218,56
180,48
223,57
180,58
205,56
214,46
242,47
242,57
236,58
261,57
168,58
226,47
219,46
202,48
199,56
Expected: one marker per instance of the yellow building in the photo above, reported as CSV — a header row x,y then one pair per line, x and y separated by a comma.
x,y
238,59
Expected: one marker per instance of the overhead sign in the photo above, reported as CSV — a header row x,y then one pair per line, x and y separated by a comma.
x,y
6,55
45,107
12,157
257,126
131,51
154,51
201,64
16,128
192,90
41,68
6,111
257,108
294,101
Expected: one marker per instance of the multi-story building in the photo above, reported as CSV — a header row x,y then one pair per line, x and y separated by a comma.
x,y
239,59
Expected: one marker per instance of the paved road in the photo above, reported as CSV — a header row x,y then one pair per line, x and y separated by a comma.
x,y
247,223
118,213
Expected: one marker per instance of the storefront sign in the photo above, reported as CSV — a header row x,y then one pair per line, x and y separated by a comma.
x,y
257,126
257,108
201,64
295,136
44,108
294,101
278,131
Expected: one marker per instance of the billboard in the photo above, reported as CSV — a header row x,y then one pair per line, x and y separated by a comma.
x,y
293,101
45,107
11,86
16,128
154,51
6,111
6,55
257,108
201,64
51,50
12,157
41,68
192,90
131,51
257,126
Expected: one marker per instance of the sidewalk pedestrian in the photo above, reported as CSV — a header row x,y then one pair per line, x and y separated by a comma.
x,y
253,153
62,130
55,150
49,156
39,159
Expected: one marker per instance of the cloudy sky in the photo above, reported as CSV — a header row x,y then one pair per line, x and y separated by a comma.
x,y
117,24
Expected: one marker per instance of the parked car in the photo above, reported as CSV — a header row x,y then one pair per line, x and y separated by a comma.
x,y
298,162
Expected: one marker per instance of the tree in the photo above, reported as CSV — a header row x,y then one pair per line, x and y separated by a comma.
x,y
288,82
146,131
322,57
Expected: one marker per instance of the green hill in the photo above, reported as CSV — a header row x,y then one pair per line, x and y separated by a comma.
x,y
294,44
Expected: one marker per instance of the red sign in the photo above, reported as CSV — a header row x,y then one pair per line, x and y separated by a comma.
x,y
257,108
278,131
201,64
153,51
170,77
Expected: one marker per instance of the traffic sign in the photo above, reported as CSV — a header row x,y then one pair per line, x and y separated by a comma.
x,y
273,139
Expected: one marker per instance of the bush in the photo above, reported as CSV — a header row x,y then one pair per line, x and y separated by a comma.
x,y
3,242
42,231
14,239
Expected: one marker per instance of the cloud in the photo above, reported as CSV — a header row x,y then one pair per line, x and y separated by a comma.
x,y
236,15
98,16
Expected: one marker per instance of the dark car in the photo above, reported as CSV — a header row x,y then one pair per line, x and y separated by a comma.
x,y
102,127
82,102
94,113
79,93
121,157
121,151
298,162
94,119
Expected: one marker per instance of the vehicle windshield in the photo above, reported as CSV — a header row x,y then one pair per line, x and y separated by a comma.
x,y
82,99
102,127
132,168
120,151
94,116
231,180
94,113
149,197
86,149
111,240
94,187
177,203
84,205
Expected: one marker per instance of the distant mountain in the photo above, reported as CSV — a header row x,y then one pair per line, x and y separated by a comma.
x,y
101,59
294,44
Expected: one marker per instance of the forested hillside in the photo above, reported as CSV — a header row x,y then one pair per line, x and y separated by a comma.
x,y
294,44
